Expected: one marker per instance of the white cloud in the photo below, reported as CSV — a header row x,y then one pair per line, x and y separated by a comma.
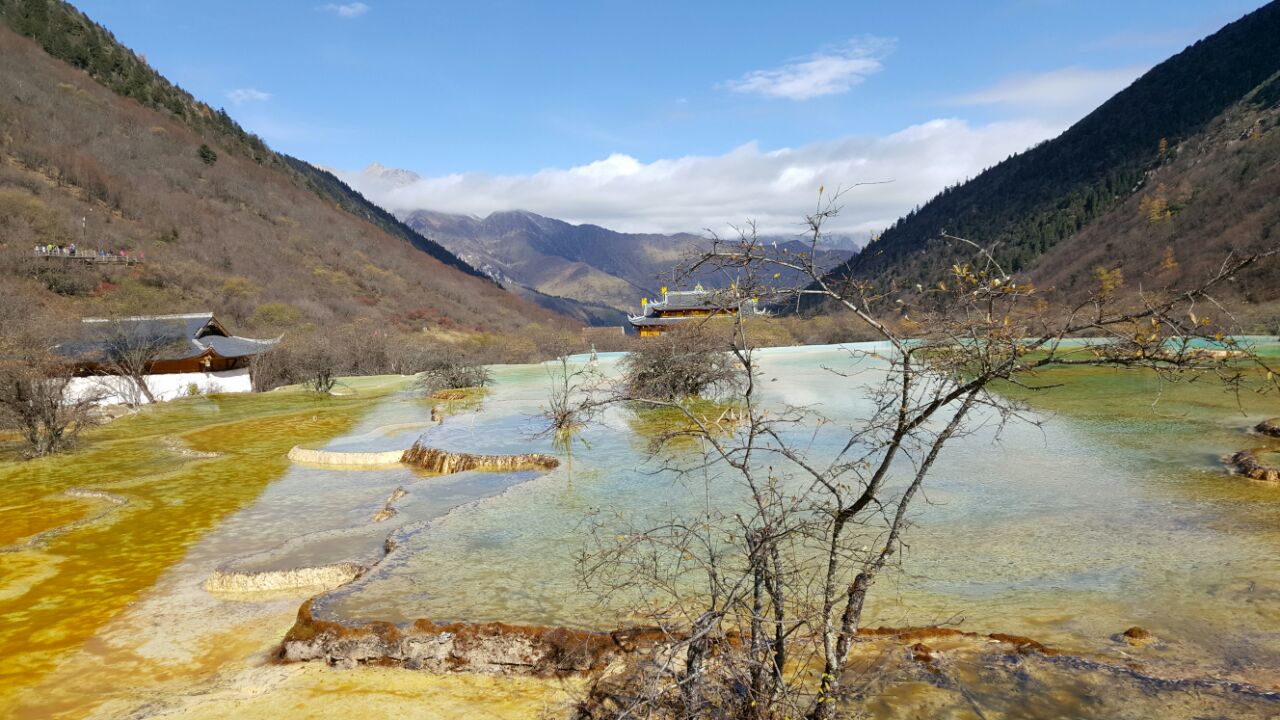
x,y
773,187
827,72
346,10
1070,90
244,95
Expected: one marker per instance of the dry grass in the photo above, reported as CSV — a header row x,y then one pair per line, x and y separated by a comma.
x,y
231,237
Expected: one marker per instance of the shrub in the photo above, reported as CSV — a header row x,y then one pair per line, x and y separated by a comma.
x,y
274,316
69,279
410,355
271,369
448,368
686,361
36,401
315,361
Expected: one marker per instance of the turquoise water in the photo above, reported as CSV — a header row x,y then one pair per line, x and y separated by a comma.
x,y
1112,513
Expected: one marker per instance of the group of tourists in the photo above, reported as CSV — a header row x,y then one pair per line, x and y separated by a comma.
x,y
73,250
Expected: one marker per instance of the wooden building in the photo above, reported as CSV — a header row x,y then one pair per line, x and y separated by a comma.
x,y
683,305
190,343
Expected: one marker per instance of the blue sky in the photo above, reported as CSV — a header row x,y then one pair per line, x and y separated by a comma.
x,y
617,112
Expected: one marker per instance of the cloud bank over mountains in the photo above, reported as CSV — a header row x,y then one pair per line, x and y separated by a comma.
x,y
774,187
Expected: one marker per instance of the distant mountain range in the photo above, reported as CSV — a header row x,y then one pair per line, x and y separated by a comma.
x,y
594,273
1162,180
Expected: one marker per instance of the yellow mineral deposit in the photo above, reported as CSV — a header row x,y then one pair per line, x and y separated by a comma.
x,y
56,595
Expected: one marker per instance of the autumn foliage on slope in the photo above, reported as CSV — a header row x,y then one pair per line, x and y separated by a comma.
x,y
222,231
1208,196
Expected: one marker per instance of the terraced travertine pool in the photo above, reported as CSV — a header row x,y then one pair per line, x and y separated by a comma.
x,y
1116,512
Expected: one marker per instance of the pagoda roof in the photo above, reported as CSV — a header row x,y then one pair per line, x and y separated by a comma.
x,y
651,321
722,301
696,300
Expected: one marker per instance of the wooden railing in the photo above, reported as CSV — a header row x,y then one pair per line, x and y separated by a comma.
x,y
92,259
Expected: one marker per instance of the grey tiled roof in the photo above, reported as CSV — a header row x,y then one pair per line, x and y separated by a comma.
x,y
234,346
179,336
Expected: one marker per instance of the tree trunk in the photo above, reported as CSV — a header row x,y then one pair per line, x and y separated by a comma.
x,y
759,643
779,618
824,705
141,382
694,701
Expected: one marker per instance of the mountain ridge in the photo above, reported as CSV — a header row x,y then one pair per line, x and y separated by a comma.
x,y
584,262
70,35
226,224
1211,195
1034,200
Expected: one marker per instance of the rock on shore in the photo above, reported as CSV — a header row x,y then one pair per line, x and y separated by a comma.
x,y
1247,464
488,648
443,461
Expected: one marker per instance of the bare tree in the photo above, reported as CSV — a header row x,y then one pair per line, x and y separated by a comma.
x,y
130,351
271,369
315,362
571,390
37,397
37,401
787,563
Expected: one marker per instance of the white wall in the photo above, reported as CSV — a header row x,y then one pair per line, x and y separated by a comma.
x,y
119,390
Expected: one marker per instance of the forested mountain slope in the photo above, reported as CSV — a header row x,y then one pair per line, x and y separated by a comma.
x,y
98,149
1215,193
1031,202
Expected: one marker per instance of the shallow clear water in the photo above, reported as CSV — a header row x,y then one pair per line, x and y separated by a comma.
x,y
1118,512
1114,513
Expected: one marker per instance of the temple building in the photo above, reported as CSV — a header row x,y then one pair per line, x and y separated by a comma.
x,y
191,343
179,352
684,305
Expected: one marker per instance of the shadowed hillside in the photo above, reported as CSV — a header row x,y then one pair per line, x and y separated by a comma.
x,y
1033,201
1212,194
